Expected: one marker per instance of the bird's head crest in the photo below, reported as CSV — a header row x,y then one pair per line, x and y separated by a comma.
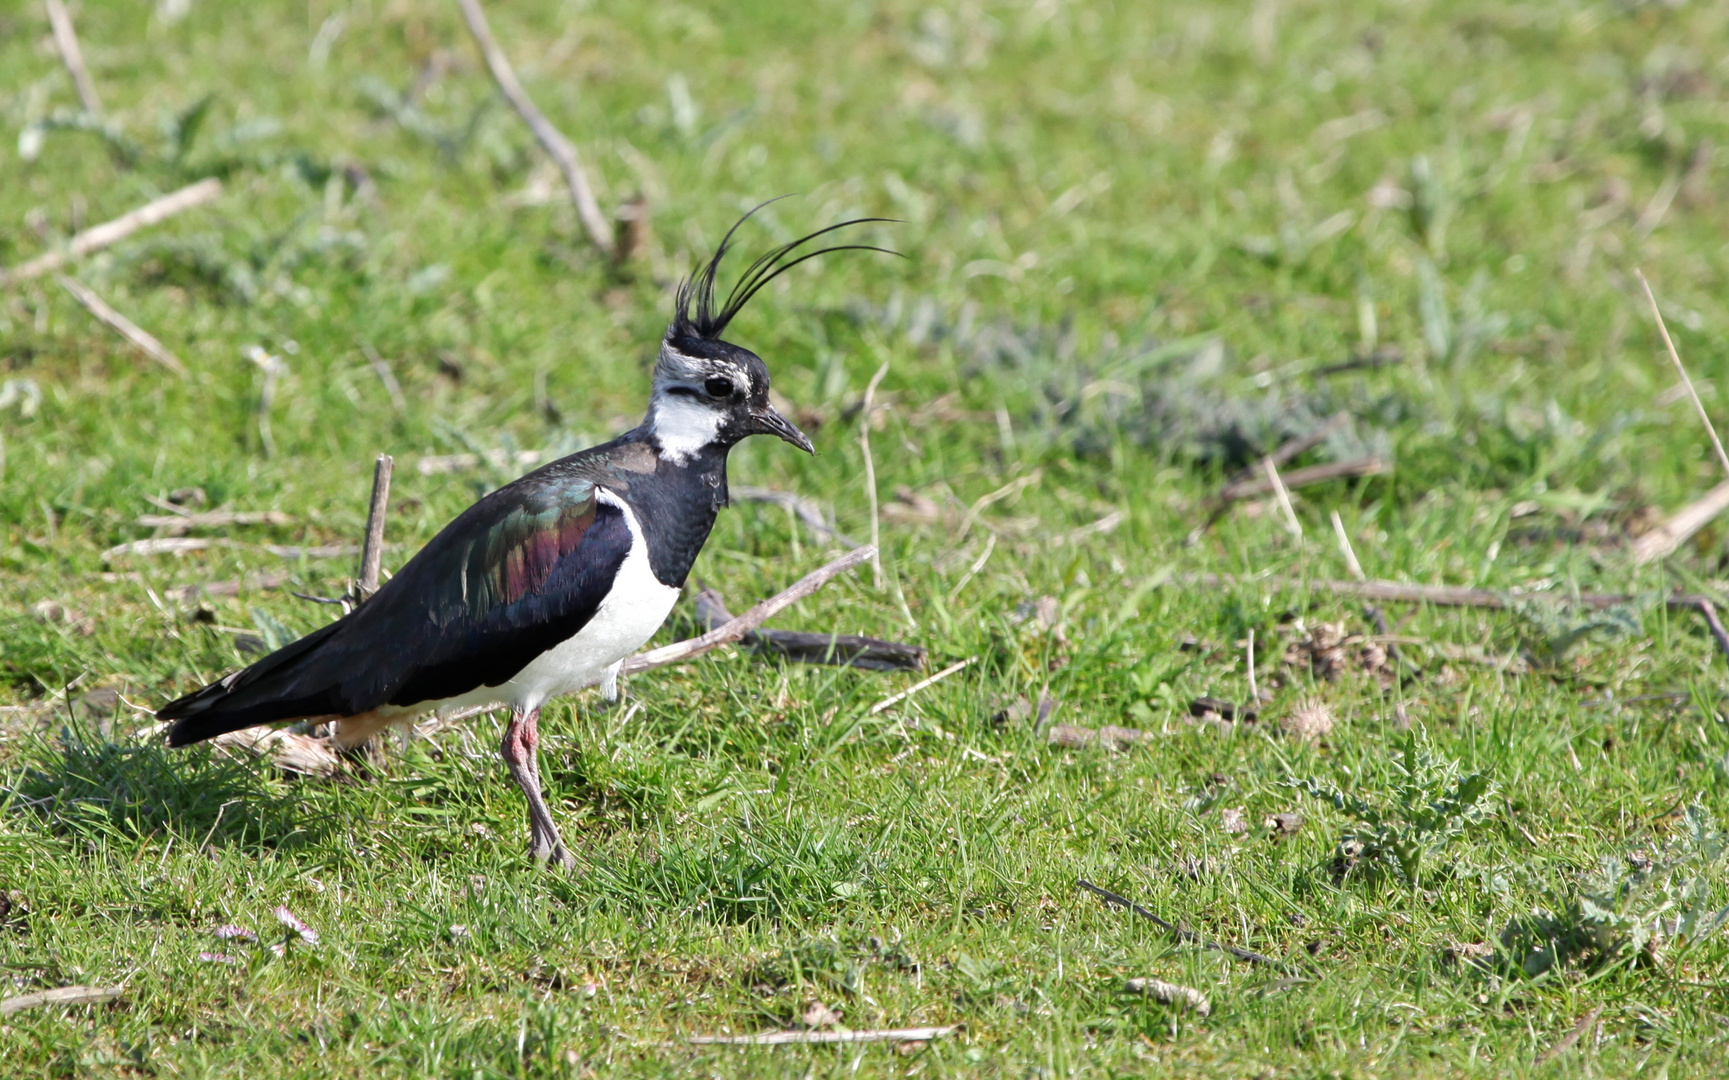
x,y
696,318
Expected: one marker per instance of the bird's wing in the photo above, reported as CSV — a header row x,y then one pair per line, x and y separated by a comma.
x,y
517,573
499,592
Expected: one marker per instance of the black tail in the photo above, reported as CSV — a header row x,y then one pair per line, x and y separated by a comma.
x,y
269,691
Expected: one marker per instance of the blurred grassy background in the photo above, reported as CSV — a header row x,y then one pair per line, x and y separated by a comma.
x,y
1138,238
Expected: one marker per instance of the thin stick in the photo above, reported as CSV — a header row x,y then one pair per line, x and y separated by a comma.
x,y
785,1038
1290,450
1571,1039
100,236
1182,933
1013,487
850,650
1399,591
66,40
894,699
1668,343
1290,512
737,628
864,441
1681,525
1454,596
1252,480
381,368
978,564
270,369
806,508
1296,478
1254,691
1708,611
372,552
561,149
63,995
1658,206
120,324
182,522
1350,553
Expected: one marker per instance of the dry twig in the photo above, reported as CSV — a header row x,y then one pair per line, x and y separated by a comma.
x,y
1171,994
1012,488
1345,549
561,149
1457,596
737,628
1254,691
1182,933
1571,1039
786,1038
1668,343
100,236
66,40
64,995
185,594
864,441
372,552
847,650
287,750
1291,522
894,699
181,522
180,545
381,368
1269,484
1681,525
120,324
806,508
1254,481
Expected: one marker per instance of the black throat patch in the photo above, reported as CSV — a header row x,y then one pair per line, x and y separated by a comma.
x,y
676,506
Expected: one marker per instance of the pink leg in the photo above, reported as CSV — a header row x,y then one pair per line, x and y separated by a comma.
x,y
521,756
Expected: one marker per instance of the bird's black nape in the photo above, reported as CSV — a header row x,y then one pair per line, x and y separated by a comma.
x,y
697,291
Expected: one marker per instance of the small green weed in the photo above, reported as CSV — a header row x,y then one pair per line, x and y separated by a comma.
x,y
1632,905
1431,806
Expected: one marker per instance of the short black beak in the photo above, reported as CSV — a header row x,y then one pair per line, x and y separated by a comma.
x,y
770,422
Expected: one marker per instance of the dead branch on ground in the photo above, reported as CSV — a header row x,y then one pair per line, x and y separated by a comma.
x,y
1296,478
786,1038
372,550
66,40
1182,933
120,324
561,149
846,650
735,629
176,524
63,995
895,699
1457,596
806,508
1679,527
100,236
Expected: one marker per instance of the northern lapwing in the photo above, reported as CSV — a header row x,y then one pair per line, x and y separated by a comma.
x,y
546,585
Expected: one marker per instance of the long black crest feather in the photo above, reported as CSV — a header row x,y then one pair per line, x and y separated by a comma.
x,y
698,290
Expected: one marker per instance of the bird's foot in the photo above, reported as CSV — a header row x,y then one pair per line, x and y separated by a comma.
x,y
552,852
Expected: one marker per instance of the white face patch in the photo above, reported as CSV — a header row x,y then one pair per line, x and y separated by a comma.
x,y
682,424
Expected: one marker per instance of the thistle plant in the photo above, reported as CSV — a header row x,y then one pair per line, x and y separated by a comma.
x,y
1430,806
1632,904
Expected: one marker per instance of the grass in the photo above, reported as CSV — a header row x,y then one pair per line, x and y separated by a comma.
x,y
1135,237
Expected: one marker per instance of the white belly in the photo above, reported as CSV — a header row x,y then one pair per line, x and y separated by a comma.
x,y
633,610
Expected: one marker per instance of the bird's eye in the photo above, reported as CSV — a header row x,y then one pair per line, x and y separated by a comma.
x,y
719,388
